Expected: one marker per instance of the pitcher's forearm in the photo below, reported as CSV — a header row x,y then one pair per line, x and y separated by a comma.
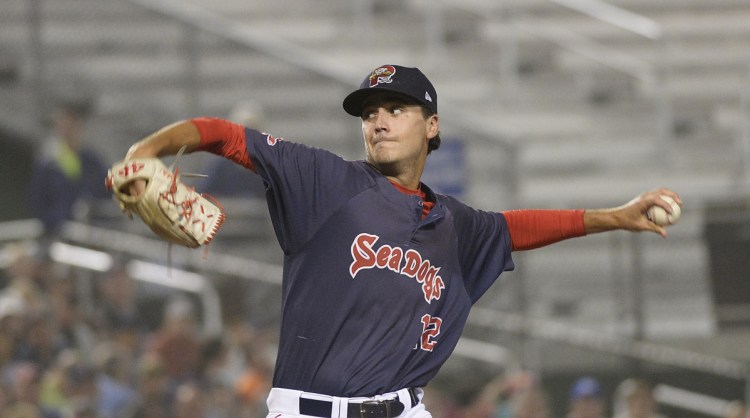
x,y
601,220
167,141
631,216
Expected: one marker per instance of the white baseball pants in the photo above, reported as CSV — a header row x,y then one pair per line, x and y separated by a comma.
x,y
284,403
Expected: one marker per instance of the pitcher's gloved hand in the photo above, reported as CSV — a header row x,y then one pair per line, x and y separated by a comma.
x,y
173,210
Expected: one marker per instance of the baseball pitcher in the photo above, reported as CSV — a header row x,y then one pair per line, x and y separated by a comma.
x,y
380,272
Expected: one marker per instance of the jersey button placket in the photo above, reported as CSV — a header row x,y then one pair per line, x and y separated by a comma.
x,y
418,213
418,208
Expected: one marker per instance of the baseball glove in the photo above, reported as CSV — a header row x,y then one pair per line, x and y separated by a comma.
x,y
173,210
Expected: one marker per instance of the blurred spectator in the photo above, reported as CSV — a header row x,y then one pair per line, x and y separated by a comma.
x,y
442,404
218,392
80,390
190,402
237,340
26,289
52,391
12,312
39,344
530,403
117,314
226,178
736,409
248,368
22,410
73,330
21,263
82,410
586,399
23,380
177,341
152,383
639,401
497,397
251,391
116,396
65,172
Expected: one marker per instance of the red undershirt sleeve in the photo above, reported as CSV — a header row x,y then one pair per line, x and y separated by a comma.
x,y
534,228
224,138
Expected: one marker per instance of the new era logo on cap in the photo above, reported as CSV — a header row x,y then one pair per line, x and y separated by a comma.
x,y
408,81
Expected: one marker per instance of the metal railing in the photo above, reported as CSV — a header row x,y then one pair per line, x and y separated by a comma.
x,y
615,16
663,355
744,135
90,248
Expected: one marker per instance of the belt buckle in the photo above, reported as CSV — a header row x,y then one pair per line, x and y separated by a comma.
x,y
363,411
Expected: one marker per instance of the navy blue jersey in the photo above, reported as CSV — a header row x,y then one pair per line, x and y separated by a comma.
x,y
374,296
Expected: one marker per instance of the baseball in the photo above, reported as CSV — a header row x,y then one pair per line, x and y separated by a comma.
x,y
659,216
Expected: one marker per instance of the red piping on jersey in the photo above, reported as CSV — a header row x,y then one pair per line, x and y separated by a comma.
x,y
426,205
224,138
534,228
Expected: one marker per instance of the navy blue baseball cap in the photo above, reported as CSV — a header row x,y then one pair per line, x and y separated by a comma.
x,y
586,387
408,81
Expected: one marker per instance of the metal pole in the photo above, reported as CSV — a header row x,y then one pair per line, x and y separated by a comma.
x,y
637,287
37,57
529,357
637,294
435,33
744,139
363,17
212,322
192,73
509,51
512,173
619,285
664,111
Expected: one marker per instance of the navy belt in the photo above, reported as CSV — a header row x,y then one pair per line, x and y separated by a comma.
x,y
387,408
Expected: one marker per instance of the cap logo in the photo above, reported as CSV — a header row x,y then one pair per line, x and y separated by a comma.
x,y
382,75
427,97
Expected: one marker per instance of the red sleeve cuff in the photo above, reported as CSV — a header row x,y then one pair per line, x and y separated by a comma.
x,y
531,229
224,138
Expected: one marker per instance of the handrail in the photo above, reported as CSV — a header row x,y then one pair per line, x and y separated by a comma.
x,y
650,74
623,19
691,401
607,13
263,41
95,260
21,229
597,9
609,343
585,47
616,16
151,248
744,134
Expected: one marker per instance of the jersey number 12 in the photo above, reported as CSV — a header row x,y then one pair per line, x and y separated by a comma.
x,y
430,330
